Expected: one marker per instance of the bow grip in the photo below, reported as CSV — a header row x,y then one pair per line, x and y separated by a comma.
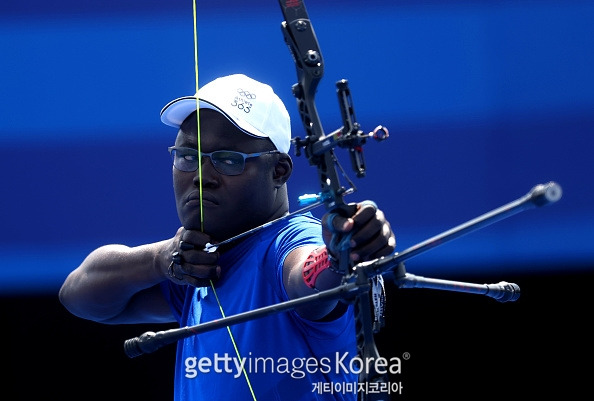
x,y
340,243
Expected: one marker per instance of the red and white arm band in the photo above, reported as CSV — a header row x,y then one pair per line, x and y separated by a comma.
x,y
317,261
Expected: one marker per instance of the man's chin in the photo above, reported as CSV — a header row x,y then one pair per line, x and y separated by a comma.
x,y
192,225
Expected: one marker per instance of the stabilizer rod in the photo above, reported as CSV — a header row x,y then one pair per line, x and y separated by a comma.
x,y
540,195
502,291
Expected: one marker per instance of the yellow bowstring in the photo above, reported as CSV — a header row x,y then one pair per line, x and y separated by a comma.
x,y
200,190
198,112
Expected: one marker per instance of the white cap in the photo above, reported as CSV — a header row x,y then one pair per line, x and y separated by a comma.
x,y
251,105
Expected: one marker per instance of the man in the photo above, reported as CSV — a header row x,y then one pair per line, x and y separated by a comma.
x,y
244,132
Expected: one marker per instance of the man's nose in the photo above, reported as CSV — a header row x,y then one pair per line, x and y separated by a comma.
x,y
209,174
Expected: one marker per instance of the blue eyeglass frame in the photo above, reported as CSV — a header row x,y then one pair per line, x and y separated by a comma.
x,y
221,168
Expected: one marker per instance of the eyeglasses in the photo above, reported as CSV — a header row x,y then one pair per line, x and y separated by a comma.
x,y
226,162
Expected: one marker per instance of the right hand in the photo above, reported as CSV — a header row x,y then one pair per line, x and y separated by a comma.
x,y
194,265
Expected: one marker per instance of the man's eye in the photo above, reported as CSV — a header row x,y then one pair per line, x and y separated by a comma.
x,y
229,162
190,158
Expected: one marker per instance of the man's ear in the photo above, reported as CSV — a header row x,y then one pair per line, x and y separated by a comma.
x,y
282,169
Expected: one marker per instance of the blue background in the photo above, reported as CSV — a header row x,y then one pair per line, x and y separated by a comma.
x,y
483,100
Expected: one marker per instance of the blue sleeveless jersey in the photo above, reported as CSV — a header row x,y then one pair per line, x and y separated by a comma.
x,y
283,356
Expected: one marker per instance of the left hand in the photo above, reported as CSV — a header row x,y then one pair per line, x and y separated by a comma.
x,y
371,233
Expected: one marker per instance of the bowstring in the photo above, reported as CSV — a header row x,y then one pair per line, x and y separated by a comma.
x,y
200,189
198,113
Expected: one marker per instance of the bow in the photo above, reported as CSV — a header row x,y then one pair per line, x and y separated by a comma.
x,y
319,148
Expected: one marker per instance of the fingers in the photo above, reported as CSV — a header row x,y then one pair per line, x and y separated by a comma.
x,y
193,238
371,234
366,212
335,223
379,243
190,263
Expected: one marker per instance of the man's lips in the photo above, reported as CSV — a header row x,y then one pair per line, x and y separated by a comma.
x,y
206,198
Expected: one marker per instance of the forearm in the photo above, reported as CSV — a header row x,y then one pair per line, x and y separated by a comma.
x,y
102,287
